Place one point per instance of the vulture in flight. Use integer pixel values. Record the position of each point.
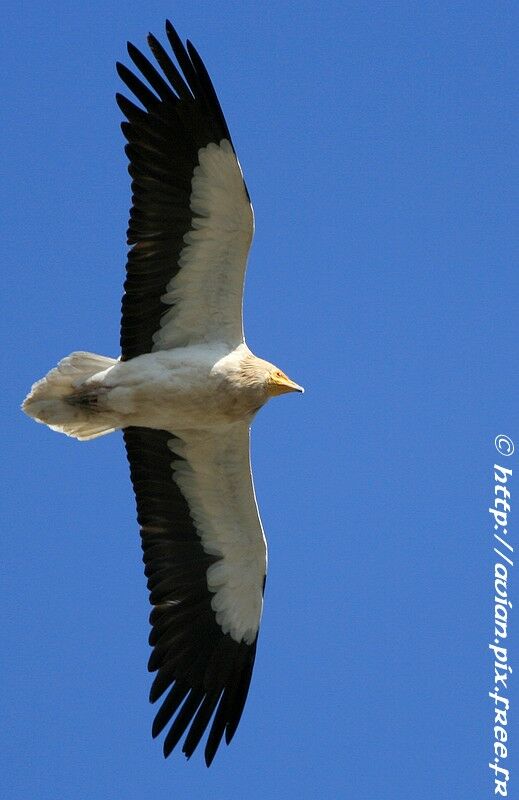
(184, 392)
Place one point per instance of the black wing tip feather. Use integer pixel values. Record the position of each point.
(171, 31)
(193, 710)
(191, 82)
(145, 67)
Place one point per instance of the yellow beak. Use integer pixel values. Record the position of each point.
(279, 383)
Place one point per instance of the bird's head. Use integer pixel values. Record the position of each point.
(279, 383)
(266, 378)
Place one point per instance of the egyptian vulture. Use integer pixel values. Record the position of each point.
(184, 393)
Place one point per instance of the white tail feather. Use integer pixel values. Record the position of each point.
(51, 400)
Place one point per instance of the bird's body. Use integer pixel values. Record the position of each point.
(197, 387)
(201, 386)
(193, 387)
(184, 392)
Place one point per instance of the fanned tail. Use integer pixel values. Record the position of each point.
(63, 401)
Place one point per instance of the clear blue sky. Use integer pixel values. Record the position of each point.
(378, 144)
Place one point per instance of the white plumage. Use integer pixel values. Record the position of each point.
(207, 292)
(214, 476)
(184, 392)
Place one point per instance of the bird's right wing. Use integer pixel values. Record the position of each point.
(191, 222)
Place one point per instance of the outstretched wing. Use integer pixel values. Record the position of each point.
(191, 221)
(205, 557)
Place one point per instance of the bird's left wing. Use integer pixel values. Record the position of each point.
(191, 222)
(205, 557)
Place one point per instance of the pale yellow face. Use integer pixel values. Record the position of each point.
(279, 383)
